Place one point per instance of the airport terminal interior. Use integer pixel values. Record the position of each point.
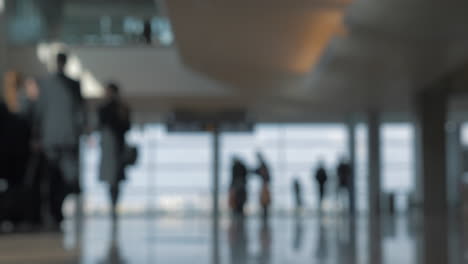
(233, 131)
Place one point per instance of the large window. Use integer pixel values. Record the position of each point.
(173, 174)
(398, 161)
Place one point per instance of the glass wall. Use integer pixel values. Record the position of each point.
(173, 173)
(84, 22)
(291, 151)
(398, 162)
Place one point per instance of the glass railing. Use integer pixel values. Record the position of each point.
(92, 23)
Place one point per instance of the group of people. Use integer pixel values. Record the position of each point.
(41, 124)
(238, 191)
(238, 188)
(345, 188)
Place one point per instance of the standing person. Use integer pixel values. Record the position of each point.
(147, 32)
(61, 120)
(265, 194)
(297, 194)
(344, 180)
(238, 188)
(114, 122)
(16, 154)
(321, 178)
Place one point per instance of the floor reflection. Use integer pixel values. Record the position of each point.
(327, 239)
(113, 254)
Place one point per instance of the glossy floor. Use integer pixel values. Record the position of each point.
(330, 239)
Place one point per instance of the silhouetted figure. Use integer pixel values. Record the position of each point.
(147, 32)
(61, 119)
(265, 193)
(21, 201)
(16, 127)
(321, 178)
(344, 173)
(238, 187)
(114, 122)
(297, 194)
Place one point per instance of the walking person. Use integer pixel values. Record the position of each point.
(61, 119)
(114, 122)
(321, 178)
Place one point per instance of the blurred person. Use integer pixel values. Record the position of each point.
(61, 118)
(321, 178)
(297, 191)
(238, 187)
(265, 193)
(147, 32)
(344, 173)
(114, 122)
(21, 202)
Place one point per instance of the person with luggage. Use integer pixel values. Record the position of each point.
(114, 122)
(265, 193)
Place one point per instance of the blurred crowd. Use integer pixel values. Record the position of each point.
(42, 121)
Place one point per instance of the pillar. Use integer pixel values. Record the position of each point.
(431, 119)
(431, 116)
(374, 189)
(352, 161)
(374, 163)
(215, 190)
(215, 172)
(454, 163)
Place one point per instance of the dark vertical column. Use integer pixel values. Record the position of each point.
(352, 161)
(454, 163)
(216, 161)
(374, 190)
(431, 113)
(215, 194)
(374, 163)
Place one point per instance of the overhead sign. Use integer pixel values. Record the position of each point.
(224, 121)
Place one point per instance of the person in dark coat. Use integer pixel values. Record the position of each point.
(61, 119)
(114, 122)
(147, 32)
(20, 173)
(321, 178)
(238, 187)
(344, 173)
(265, 193)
